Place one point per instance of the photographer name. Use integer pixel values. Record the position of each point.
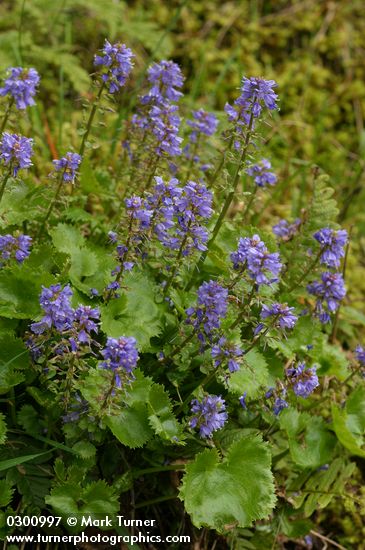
(120, 521)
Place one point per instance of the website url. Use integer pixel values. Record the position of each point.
(112, 540)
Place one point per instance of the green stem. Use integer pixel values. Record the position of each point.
(90, 121)
(3, 183)
(6, 116)
(201, 384)
(241, 315)
(191, 163)
(177, 262)
(221, 163)
(53, 202)
(307, 271)
(155, 501)
(249, 204)
(178, 348)
(154, 165)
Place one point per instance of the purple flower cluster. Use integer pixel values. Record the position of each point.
(84, 323)
(117, 61)
(120, 356)
(209, 415)
(162, 118)
(226, 353)
(281, 315)
(279, 402)
(166, 79)
(14, 247)
(165, 125)
(138, 210)
(68, 165)
(211, 308)
(256, 93)
(303, 379)
(279, 405)
(192, 208)
(330, 290)
(21, 84)
(75, 325)
(262, 266)
(56, 304)
(285, 230)
(16, 151)
(175, 214)
(332, 243)
(202, 123)
(261, 173)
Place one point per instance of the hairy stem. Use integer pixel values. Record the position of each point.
(52, 203)
(6, 115)
(3, 183)
(91, 118)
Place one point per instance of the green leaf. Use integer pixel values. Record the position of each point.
(2, 429)
(120, 317)
(29, 419)
(13, 351)
(12, 462)
(311, 444)
(341, 427)
(6, 493)
(85, 449)
(355, 408)
(84, 262)
(19, 292)
(161, 418)
(239, 489)
(66, 238)
(333, 361)
(95, 500)
(131, 426)
(252, 375)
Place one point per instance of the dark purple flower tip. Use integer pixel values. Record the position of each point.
(242, 400)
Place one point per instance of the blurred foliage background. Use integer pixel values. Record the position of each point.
(314, 49)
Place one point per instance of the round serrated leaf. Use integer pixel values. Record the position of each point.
(239, 489)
